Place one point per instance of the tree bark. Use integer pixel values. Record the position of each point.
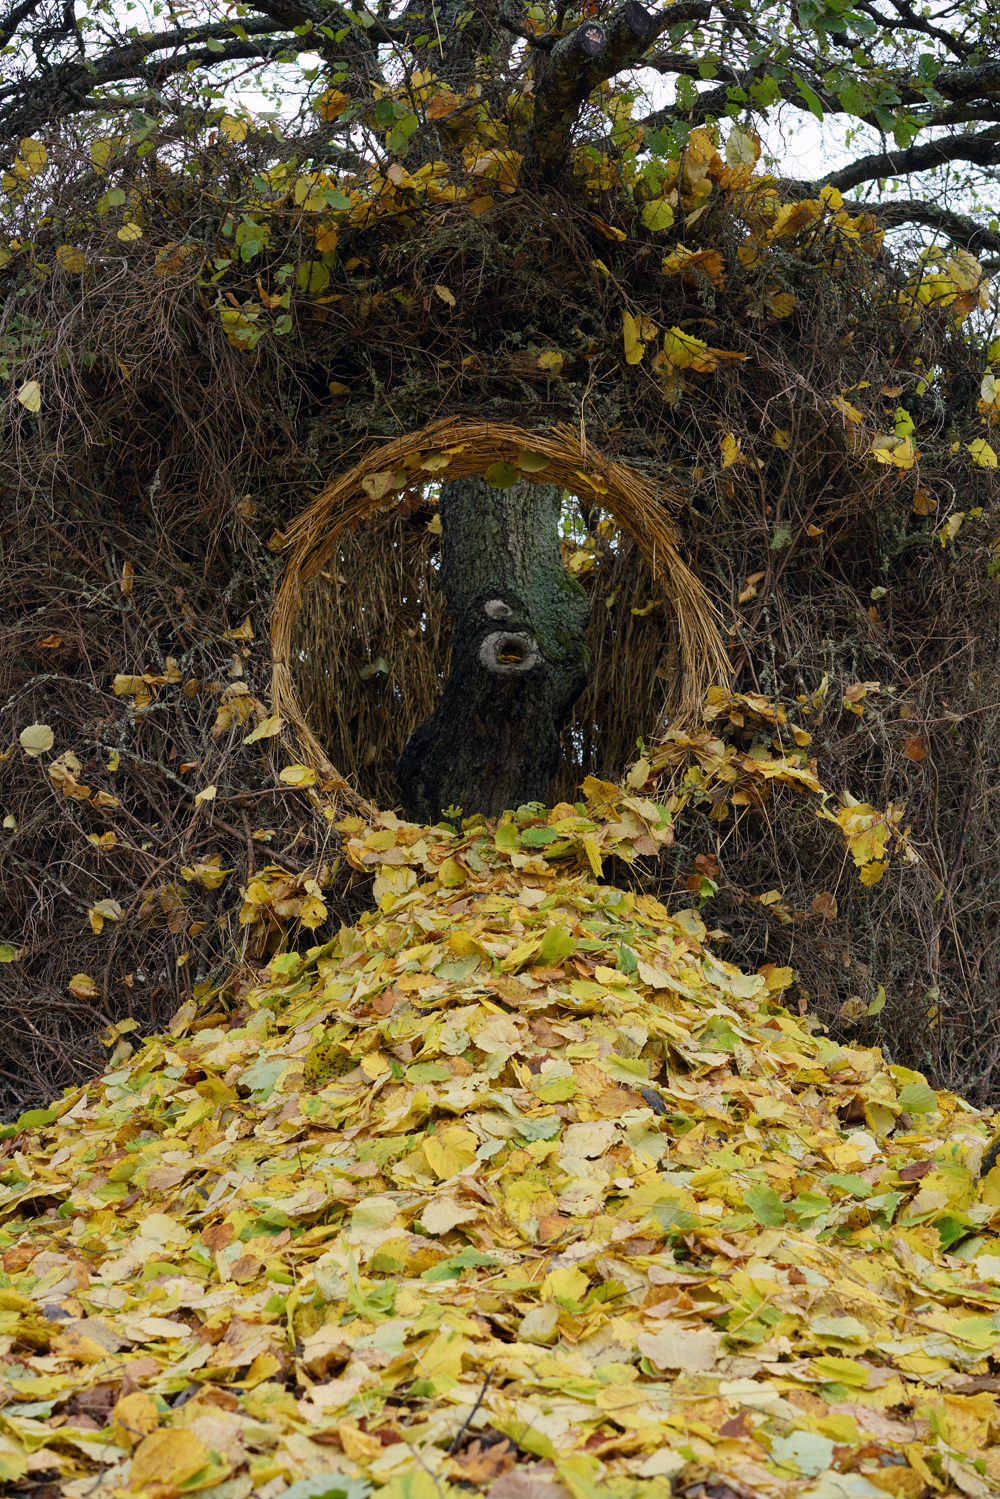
(518, 655)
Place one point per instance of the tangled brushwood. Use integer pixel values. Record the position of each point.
(205, 328)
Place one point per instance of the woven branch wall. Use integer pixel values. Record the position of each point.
(455, 449)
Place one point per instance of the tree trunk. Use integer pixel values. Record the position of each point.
(518, 655)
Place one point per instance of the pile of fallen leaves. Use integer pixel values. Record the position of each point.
(517, 1186)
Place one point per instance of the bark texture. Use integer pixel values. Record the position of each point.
(518, 655)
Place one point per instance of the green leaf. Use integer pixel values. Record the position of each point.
(427, 1072)
(812, 99)
(313, 276)
(854, 1185)
(918, 1098)
(501, 476)
(214, 45)
(878, 1003)
(765, 92)
(399, 136)
(856, 97)
(657, 215)
(557, 944)
(532, 463)
(329, 1486)
(766, 1206)
(538, 837)
(35, 1118)
(8, 954)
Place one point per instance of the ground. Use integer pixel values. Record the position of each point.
(516, 1184)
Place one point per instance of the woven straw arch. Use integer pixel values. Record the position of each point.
(455, 449)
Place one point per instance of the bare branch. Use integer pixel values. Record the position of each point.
(12, 20)
(570, 77)
(959, 228)
(983, 149)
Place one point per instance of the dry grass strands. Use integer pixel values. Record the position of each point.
(453, 449)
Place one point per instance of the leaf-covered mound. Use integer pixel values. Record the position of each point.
(514, 1186)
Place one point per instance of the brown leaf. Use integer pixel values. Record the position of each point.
(915, 1171)
(825, 906)
(915, 748)
(19, 1257)
(217, 1236)
(384, 1003)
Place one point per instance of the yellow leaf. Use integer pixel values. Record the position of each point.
(130, 233)
(570, 1283)
(445, 295)
(167, 1459)
(450, 1151)
(890, 451)
(102, 911)
(657, 215)
(551, 360)
(951, 527)
(693, 353)
(70, 258)
(730, 448)
(30, 395)
(846, 409)
(742, 148)
(208, 795)
(101, 152)
(435, 462)
(206, 872)
(134, 1417)
(297, 775)
(82, 986)
(982, 454)
(233, 129)
(378, 485)
(781, 303)
(241, 632)
(331, 105)
(266, 730)
(36, 739)
(34, 155)
(634, 347)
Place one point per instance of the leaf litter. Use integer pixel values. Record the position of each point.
(515, 1187)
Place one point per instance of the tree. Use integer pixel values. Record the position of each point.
(477, 211)
(518, 658)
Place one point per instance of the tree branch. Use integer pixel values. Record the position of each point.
(910, 21)
(570, 77)
(12, 20)
(983, 149)
(959, 228)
